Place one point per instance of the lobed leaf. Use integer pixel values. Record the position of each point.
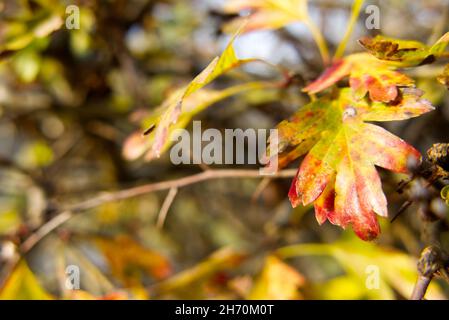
(338, 174)
(366, 75)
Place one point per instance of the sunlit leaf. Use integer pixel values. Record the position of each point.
(23, 285)
(277, 281)
(366, 75)
(265, 14)
(84, 295)
(338, 174)
(137, 145)
(221, 259)
(177, 111)
(405, 53)
(381, 271)
(20, 34)
(444, 77)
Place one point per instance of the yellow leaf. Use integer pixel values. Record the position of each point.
(277, 281)
(23, 285)
(266, 14)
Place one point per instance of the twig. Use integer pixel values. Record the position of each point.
(431, 261)
(165, 207)
(419, 291)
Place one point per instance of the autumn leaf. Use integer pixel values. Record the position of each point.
(137, 144)
(84, 295)
(386, 270)
(265, 14)
(22, 284)
(183, 104)
(222, 259)
(129, 261)
(444, 77)
(366, 75)
(277, 281)
(338, 174)
(21, 33)
(404, 53)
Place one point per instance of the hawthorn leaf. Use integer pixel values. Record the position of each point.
(338, 174)
(173, 113)
(265, 14)
(366, 75)
(137, 144)
(404, 53)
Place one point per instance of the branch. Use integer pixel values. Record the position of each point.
(107, 197)
(432, 260)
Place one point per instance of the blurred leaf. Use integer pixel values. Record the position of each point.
(397, 271)
(444, 77)
(36, 154)
(445, 194)
(129, 261)
(277, 281)
(23, 285)
(27, 65)
(265, 14)
(9, 221)
(341, 288)
(84, 295)
(222, 259)
(20, 34)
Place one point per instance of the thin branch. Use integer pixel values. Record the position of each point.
(165, 207)
(107, 197)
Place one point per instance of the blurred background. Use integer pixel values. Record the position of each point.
(69, 99)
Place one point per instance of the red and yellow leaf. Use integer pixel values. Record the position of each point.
(338, 174)
(366, 75)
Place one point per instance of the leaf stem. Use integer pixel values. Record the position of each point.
(319, 40)
(356, 7)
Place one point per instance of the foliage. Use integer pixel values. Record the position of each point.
(86, 116)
